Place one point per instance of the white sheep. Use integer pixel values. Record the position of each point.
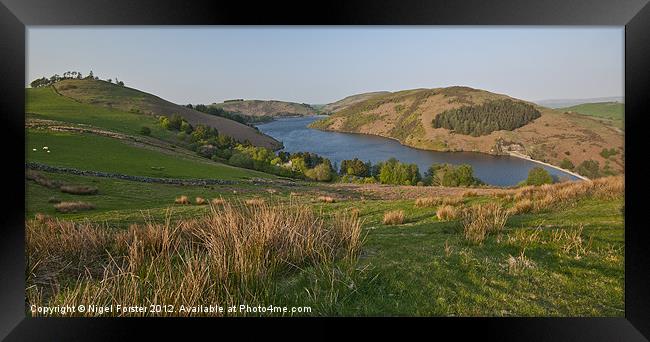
(45, 147)
(48, 151)
(34, 149)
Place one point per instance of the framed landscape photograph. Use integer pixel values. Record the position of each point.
(468, 165)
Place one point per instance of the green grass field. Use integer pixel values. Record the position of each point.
(99, 153)
(613, 111)
(405, 269)
(45, 103)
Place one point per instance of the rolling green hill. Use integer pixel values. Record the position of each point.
(123, 99)
(606, 110)
(349, 101)
(100, 153)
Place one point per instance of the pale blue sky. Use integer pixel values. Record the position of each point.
(320, 64)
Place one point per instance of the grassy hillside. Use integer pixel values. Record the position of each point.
(269, 108)
(99, 153)
(613, 111)
(349, 101)
(408, 115)
(103, 94)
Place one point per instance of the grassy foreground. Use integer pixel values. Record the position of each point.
(560, 253)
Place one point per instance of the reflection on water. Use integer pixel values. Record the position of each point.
(296, 136)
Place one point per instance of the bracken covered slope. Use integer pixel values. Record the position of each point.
(407, 116)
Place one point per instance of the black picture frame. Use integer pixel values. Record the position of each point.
(15, 15)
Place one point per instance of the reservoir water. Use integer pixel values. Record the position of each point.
(491, 169)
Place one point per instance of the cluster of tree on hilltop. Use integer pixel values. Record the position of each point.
(486, 118)
(218, 111)
(68, 75)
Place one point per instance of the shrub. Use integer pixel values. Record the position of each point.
(538, 176)
(589, 168)
(78, 189)
(567, 164)
(394, 172)
(241, 160)
(144, 130)
(450, 175)
(394, 217)
(447, 213)
(73, 207)
(182, 200)
(321, 172)
(605, 153)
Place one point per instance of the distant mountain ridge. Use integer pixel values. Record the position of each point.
(349, 101)
(561, 103)
(270, 108)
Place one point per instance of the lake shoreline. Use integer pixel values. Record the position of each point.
(495, 169)
(522, 156)
(511, 154)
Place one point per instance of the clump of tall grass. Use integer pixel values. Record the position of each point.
(232, 255)
(469, 193)
(73, 207)
(79, 189)
(254, 201)
(427, 202)
(573, 242)
(479, 221)
(326, 199)
(519, 263)
(456, 200)
(218, 201)
(447, 213)
(182, 200)
(540, 198)
(200, 201)
(394, 217)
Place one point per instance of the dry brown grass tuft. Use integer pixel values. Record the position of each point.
(394, 217)
(73, 207)
(453, 200)
(272, 191)
(469, 193)
(255, 201)
(78, 189)
(519, 263)
(182, 200)
(200, 201)
(541, 198)
(481, 220)
(218, 201)
(521, 207)
(242, 249)
(427, 202)
(326, 199)
(40, 179)
(447, 213)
